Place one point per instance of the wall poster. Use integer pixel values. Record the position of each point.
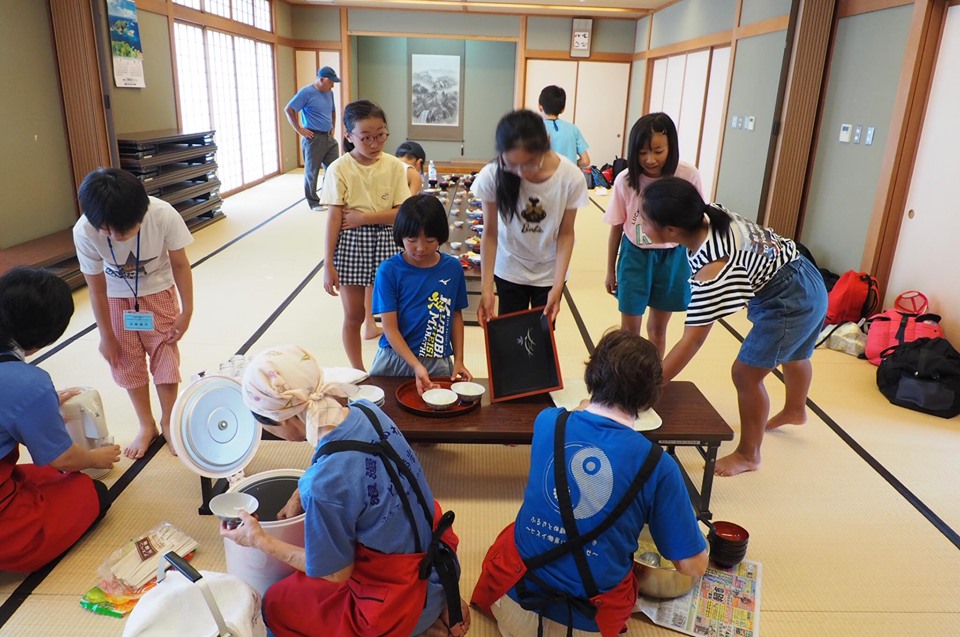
(125, 44)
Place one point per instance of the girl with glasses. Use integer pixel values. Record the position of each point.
(530, 196)
(363, 189)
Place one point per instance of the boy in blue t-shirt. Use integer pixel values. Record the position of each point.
(419, 295)
(565, 138)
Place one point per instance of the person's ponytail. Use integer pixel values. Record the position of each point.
(719, 218)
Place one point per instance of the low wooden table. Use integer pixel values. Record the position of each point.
(689, 420)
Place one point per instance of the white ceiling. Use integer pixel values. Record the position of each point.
(560, 8)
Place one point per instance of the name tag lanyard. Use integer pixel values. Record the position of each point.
(136, 276)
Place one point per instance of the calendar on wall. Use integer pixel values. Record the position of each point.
(580, 37)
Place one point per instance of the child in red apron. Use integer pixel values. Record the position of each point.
(44, 507)
(565, 566)
(379, 558)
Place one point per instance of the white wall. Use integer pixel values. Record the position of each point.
(928, 241)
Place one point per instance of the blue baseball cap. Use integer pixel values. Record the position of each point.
(328, 73)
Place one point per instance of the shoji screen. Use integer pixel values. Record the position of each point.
(692, 89)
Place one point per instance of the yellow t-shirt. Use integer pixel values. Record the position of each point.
(375, 188)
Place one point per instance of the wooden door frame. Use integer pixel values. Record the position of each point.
(906, 126)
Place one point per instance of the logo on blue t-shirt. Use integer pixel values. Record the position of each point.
(436, 336)
(590, 475)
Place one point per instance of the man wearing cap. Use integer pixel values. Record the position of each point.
(318, 117)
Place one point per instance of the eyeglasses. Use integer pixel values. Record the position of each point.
(518, 168)
(263, 420)
(369, 139)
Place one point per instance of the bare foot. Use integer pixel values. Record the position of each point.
(138, 447)
(787, 418)
(735, 463)
(165, 430)
(371, 331)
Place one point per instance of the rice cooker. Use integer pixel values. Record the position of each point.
(216, 436)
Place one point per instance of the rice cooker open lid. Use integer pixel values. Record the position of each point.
(212, 431)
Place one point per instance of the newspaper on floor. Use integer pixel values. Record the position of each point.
(724, 603)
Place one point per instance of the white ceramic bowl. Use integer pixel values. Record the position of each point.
(226, 505)
(440, 399)
(455, 245)
(468, 392)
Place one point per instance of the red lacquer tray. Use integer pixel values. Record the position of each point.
(410, 400)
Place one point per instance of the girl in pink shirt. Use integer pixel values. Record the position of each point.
(640, 273)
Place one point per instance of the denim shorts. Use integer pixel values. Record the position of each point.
(655, 277)
(787, 316)
(388, 363)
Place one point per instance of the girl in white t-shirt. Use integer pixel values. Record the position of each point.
(363, 190)
(640, 273)
(530, 197)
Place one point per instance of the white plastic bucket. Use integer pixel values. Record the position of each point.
(272, 489)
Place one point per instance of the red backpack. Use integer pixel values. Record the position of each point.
(852, 298)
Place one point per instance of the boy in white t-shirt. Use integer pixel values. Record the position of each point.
(131, 249)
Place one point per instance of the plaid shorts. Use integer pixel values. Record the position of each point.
(137, 347)
(360, 251)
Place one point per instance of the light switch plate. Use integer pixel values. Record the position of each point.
(750, 122)
(856, 134)
(869, 140)
(845, 130)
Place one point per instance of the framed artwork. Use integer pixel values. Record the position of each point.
(580, 37)
(436, 97)
(521, 355)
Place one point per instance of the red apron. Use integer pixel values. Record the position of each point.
(503, 568)
(384, 596)
(42, 512)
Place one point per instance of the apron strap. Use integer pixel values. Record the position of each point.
(337, 446)
(566, 505)
(400, 464)
(8, 358)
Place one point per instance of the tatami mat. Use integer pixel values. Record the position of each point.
(842, 552)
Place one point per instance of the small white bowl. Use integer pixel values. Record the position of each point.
(455, 245)
(440, 399)
(458, 224)
(226, 506)
(468, 392)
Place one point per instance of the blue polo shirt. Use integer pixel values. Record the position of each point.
(315, 108)
(30, 413)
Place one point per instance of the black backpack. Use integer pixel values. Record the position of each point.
(923, 375)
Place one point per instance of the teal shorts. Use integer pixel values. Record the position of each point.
(656, 277)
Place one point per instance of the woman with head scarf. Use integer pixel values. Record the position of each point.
(379, 558)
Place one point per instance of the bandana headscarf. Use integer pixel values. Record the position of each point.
(286, 381)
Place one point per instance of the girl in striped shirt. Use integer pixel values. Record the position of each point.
(735, 263)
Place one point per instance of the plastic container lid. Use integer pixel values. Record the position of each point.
(212, 431)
